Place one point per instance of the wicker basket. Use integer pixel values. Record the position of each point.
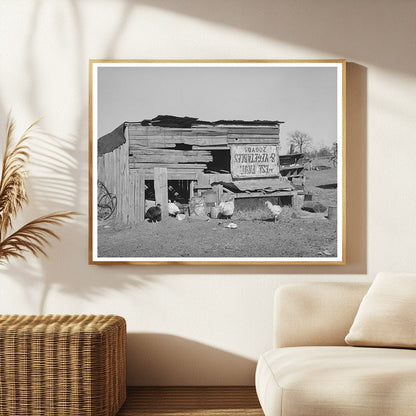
(72, 365)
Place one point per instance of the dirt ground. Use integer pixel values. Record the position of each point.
(256, 235)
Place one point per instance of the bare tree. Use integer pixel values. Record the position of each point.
(300, 141)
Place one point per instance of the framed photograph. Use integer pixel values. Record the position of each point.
(230, 162)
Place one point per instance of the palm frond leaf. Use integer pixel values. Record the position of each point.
(12, 182)
(33, 237)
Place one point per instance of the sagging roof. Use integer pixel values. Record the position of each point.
(188, 122)
(116, 138)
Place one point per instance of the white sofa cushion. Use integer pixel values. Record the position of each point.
(315, 313)
(387, 314)
(341, 381)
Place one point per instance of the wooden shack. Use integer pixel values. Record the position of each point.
(188, 156)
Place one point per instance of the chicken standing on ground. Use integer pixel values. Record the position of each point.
(173, 209)
(154, 214)
(274, 209)
(226, 208)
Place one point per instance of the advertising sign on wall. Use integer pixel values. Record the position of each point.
(254, 161)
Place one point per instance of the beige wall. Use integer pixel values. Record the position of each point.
(204, 325)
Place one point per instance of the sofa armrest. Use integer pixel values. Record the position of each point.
(315, 313)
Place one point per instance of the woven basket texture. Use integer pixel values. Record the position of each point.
(56, 365)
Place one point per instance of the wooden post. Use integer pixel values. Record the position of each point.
(191, 189)
(122, 172)
(161, 190)
(141, 187)
(297, 201)
(136, 192)
(117, 187)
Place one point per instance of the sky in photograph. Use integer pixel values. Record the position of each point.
(304, 98)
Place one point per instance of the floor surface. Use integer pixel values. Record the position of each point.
(187, 401)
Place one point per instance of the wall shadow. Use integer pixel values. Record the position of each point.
(169, 360)
(339, 28)
(53, 186)
(64, 185)
(58, 180)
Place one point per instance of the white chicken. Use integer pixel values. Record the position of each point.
(226, 208)
(173, 209)
(274, 209)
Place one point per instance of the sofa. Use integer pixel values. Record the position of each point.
(312, 371)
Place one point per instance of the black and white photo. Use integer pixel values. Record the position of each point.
(217, 162)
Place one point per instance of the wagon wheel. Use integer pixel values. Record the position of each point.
(106, 202)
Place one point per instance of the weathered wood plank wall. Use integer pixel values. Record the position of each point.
(137, 197)
(152, 146)
(113, 170)
(150, 153)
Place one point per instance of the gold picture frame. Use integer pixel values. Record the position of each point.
(161, 132)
